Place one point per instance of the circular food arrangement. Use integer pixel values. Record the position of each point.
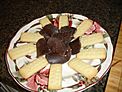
(59, 53)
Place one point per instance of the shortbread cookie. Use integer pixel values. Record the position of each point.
(63, 21)
(22, 50)
(28, 70)
(45, 21)
(30, 37)
(85, 69)
(92, 53)
(83, 27)
(91, 39)
(55, 77)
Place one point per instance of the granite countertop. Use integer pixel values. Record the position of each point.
(15, 14)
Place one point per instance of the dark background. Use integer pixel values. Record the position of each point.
(16, 13)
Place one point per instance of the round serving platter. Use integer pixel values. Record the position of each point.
(71, 80)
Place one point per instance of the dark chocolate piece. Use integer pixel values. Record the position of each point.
(75, 46)
(65, 34)
(65, 37)
(67, 29)
(55, 59)
(48, 30)
(56, 46)
(41, 46)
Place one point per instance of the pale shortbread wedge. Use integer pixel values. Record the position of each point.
(63, 21)
(83, 27)
(30, 37)
(28, 70)
(45, 21)
(20, 51)
(55, 77)
(85, 69)
(91, 39)
(92, 53)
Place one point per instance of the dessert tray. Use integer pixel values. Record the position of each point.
(59, 53)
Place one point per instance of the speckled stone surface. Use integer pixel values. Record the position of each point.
(15, 14)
